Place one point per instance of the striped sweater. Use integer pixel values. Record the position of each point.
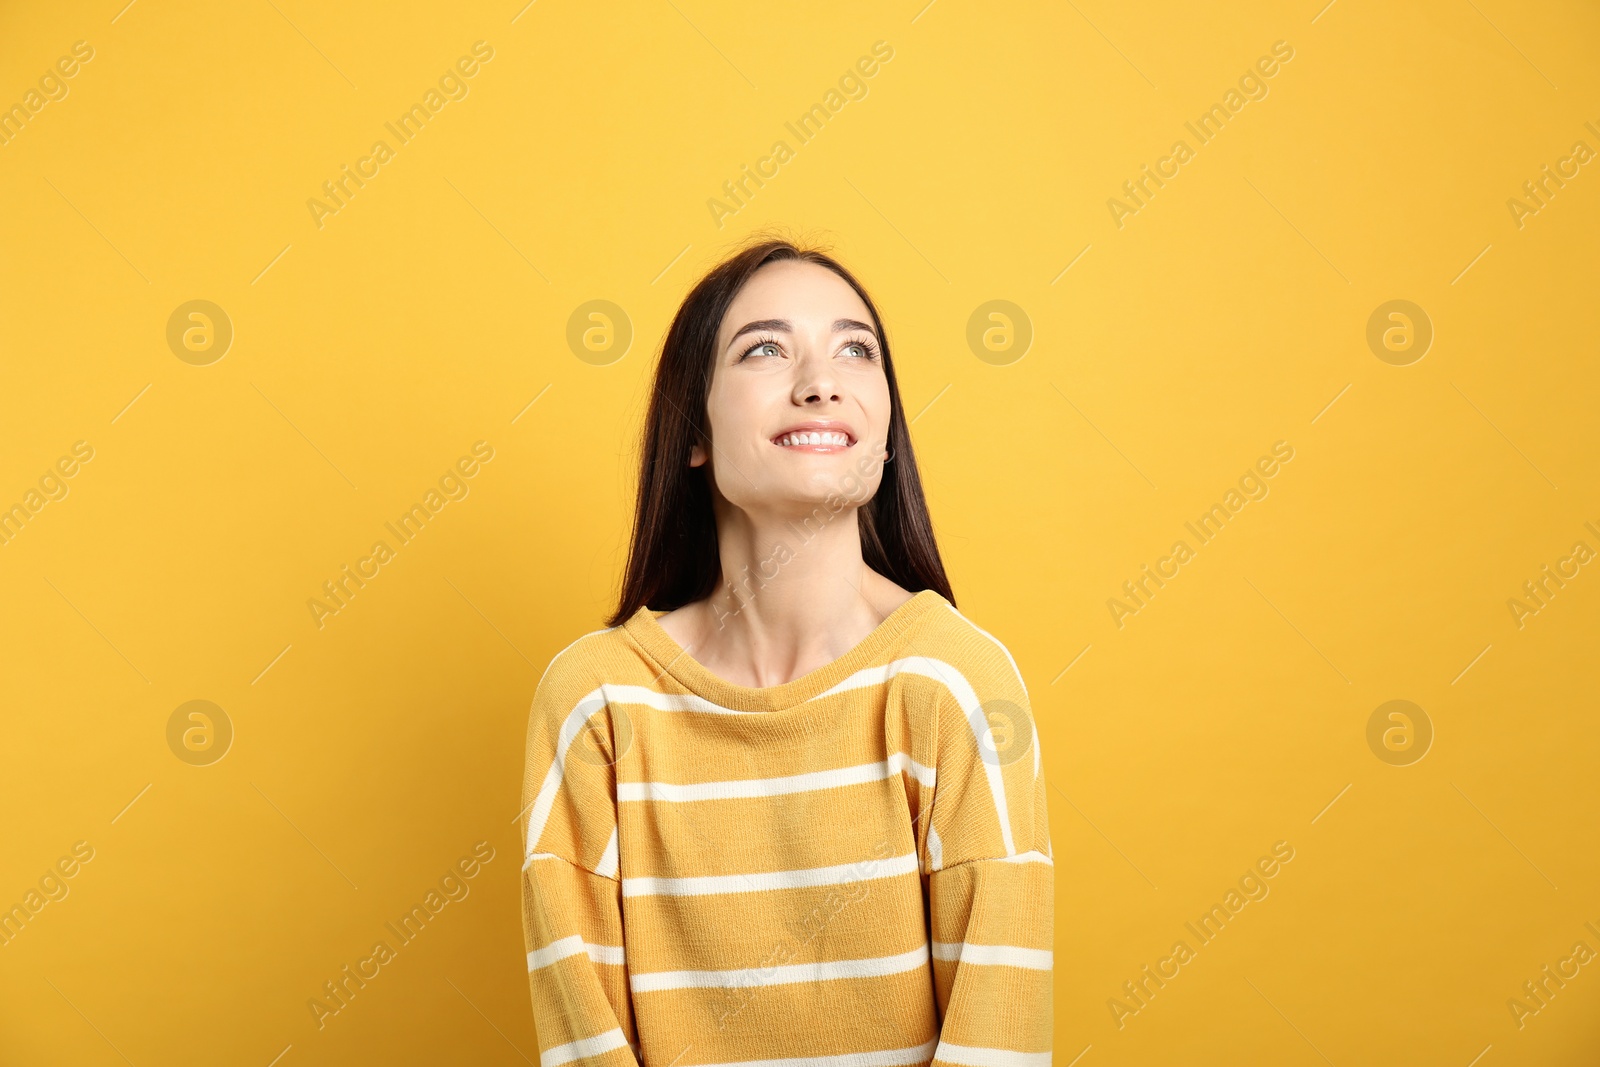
(851, 869)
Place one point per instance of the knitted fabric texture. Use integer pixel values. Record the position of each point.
(852, 869)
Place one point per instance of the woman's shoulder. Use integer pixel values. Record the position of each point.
(585, 662)
(941, 620)
(981, 657)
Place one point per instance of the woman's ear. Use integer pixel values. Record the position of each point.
(697, 455)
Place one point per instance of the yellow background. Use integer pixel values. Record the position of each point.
(369, 354)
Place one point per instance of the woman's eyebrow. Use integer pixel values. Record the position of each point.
(763, 325)
(785, 326)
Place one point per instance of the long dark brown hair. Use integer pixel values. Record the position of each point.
(673, 558)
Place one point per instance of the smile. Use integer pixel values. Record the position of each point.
(814, 441)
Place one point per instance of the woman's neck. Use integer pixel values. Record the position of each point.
(795, 595)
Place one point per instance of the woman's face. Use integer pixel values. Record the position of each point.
(796, 353)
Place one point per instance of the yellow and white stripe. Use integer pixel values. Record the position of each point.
(741, 871)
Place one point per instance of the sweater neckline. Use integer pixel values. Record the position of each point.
(671, 657)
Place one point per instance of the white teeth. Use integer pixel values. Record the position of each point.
(814, 439)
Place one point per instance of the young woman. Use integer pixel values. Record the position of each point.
(786, 809)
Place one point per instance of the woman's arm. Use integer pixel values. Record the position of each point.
(572, 919)
(571, 890)
(991, 875)
(992, 934)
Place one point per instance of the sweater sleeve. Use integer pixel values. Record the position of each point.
(571, 889)
(991, 877)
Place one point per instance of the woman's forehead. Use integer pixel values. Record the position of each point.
(797, 291)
